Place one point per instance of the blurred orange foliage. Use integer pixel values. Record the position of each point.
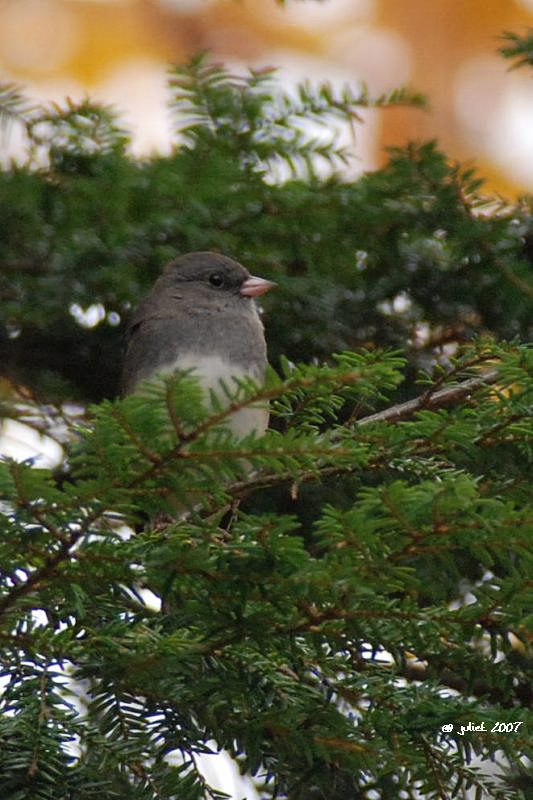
(444, 48)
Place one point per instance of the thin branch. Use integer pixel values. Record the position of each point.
(418, 671)
(523, 285)
(149, 454)
(262, 395)
(49, 567)
(451, 395)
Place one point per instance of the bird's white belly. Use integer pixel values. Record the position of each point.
(211, 370)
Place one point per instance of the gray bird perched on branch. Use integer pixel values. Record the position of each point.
(201, 314)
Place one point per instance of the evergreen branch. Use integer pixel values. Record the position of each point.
(52, 562)
(316, 618)
(433, 764)
(430, 400)
(426, 667)
(262, 124)
(518, 47)
(41, 720)
(490, 437)
(179, 430)
(240, 489)
(278, 627)
(269, 393)
(23, 588)
(149, 454)
(181, 453)
(30, 505)
(510, 274)
(13, 105)
(76, 133)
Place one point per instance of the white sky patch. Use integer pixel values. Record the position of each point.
(20, 442)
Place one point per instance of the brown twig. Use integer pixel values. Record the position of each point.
(431, 400)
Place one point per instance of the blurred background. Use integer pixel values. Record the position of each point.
(117, 51)
(429, 284)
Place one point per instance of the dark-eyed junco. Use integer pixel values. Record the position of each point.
(201, 314)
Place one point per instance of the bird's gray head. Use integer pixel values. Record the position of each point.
(200, 312)
(209, 275)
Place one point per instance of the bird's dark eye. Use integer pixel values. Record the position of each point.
(216, 279)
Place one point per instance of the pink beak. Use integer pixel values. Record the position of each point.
(253, 286)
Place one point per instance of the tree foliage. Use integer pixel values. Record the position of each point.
(371, 596)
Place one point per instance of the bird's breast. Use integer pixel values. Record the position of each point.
(211, 370)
